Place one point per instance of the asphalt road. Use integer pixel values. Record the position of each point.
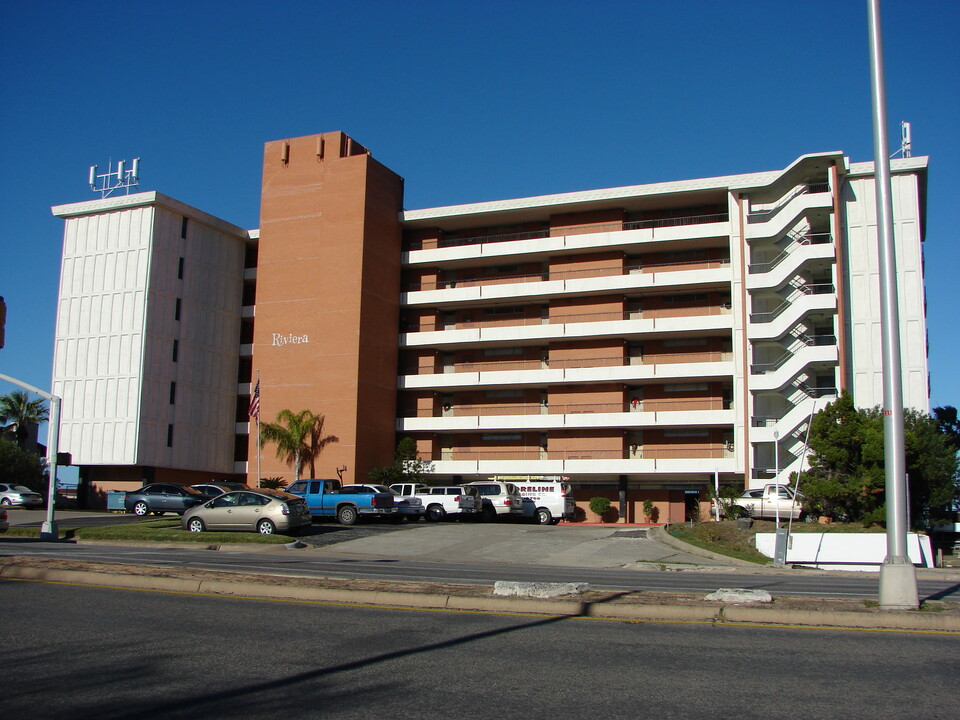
(74, 653)
(325, 563)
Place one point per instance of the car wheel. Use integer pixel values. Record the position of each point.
(141, 509)
(435, 513)
(196, 525)
(489, 514)
(265, 527)
(544, 517)
(6, 501)
(346, 515)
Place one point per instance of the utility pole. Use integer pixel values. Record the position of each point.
(48, 530)
(898, 577)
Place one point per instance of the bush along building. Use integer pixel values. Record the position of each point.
(645, 342)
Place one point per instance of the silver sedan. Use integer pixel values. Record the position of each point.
(262, 511)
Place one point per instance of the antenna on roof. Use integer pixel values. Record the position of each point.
(122, 178)
(904, 150)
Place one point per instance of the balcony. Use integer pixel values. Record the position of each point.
(710, 365)
(678, 462)
(617, 323)
(571, 230)
(704, 272)
(676, 412)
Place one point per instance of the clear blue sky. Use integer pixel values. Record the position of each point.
(467, 101)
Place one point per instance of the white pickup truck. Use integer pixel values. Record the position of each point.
(768, 502)
(442, 500)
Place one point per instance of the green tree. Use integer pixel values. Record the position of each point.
(948, 423)
(299, 438)
(19, 411)
(22, 467)
(407, 466)
(846, 477)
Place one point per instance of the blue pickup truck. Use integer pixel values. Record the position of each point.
(327, 498)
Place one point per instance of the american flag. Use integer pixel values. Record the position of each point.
(255, 402)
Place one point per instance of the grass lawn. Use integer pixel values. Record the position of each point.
(160, 530)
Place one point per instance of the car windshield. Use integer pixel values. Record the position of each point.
(382, 489)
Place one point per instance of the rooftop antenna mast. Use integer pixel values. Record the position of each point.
(123, 178)
(905, 149)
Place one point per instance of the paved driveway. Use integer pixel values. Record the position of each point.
(563, 546)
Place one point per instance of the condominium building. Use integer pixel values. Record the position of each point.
(644, 342)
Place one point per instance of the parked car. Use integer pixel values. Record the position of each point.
(442, 500)
(215, 489)
(499, 498)
(159, 498)
(262, 511)
(553, 496)
(768, 502)
(12, 495)
(326, 498)
(4, 522)
(410, 506)
(407, 507)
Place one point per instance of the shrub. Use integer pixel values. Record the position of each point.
(600, 505)
(273, 483)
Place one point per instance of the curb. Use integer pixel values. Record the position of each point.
(721, 614)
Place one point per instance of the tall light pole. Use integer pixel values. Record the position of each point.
(898, 578)
(48, 529)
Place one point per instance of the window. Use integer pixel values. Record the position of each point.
(176, 311)
(183, 228)
(688, 298)
(504, 310)
(173, 393)
(180, 270)
(169, 435)
(176, 350)
(685, 387)
(225, 501)
(489, 352)
(684, 342)
(686, 433)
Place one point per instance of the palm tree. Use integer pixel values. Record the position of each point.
(299, 438)
(21, 412)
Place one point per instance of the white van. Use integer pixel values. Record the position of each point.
(552, 495)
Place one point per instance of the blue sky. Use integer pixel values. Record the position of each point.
(468, 102)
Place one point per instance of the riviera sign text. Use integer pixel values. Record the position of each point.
(279, 340)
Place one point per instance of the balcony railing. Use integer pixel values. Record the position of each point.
(570, 363)
(808, 239)
(557, 408)
(530, 277)
(437, 324)
(764, 212)
(704, 452)
(771, 315)
(815, 341)
(576, 230)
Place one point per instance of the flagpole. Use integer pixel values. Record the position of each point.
(258, 431)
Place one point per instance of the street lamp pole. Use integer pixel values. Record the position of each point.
(898, 578)
(48, 530)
